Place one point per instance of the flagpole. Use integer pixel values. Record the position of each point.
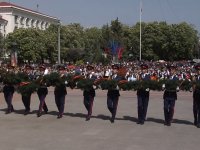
(59, 24)
(140, 30)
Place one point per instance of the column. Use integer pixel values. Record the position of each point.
(40, 25)
(34, 23)
(30, 23)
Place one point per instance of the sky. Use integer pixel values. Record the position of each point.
(90, 13)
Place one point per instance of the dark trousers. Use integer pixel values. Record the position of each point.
(26, 99)
(143, 102)
(196, 111)
(169, 104)
(112, 103)
(60, 103)
(88, 102)
(8, 98)
(42, 103)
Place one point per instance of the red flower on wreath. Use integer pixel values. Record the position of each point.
(98, 81)
(122, 82)
(77, 77)
(24, 83)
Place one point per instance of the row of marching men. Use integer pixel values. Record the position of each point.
(60, 91)
(169, 97)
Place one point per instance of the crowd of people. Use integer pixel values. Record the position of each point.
(129, 71)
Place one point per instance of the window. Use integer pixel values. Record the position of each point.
(16, 19)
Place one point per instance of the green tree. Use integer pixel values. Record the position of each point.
(93, 38)
(116, 30)
(1, 44)
(72, 36)
(51, 44)
(30, 44)
(163, 41)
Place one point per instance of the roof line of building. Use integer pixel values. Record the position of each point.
(10, 5)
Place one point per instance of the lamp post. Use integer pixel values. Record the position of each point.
(13, 54)
(59, 62)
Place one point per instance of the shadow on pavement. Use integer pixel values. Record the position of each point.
(133, 119)
(21, 111)
(155, 120)
(178, 121)
(80, 115)
(4, 109)
(103, 117)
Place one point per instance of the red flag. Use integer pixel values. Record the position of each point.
(120, 52)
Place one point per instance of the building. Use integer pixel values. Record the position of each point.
(3, 24)
(14, 17)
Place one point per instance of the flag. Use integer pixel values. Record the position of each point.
(120, 52)
(114, 48)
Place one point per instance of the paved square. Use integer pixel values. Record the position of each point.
(72, 132)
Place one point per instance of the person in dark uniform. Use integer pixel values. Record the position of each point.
(8, 91)
(196, 97)
(113, 95)
(26, 96)
(88, 95)
(143, 95)
(60, 92)
(170, 95)
(26, 99)
(42, 93)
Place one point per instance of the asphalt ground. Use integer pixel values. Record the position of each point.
(72, 132)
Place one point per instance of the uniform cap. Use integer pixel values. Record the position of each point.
(172, 66)
(197, 67)
(10, 67)
(42, 67)
(144, 66)
(115, 66)
(89, 67)
(61, 68)
(28, 67)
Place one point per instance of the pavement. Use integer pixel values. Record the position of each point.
(72, 132)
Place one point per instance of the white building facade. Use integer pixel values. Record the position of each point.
(3, 24)
(19, 17)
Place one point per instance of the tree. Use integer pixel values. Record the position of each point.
(163, 41)
(72, 36)
(112, 36)
(159, 41)
(93, 38)
(74, 54)
(1, 44)
(30, 44)
(51, 38)
(116, 30)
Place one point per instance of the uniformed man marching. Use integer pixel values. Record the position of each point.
(60, 92)
(42, 92)
(8, 91)
(89, 94)
(143, 95)
(113, 95)
(170, 95)
(196, 97)
(26, 97)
